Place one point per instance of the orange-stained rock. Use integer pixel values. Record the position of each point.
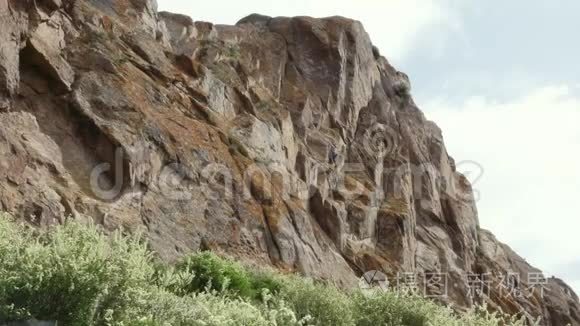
(282, 141)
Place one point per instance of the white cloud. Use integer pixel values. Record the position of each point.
(529, 148)
(394, 25)
(575, 286)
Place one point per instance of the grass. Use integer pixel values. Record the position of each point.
(75, 275)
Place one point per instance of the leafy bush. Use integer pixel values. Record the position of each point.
(72, 273)
(165, 308)
(226, 276)
(78, 276)
(322, 304)
(385, 308)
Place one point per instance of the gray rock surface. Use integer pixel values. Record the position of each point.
(287, 142)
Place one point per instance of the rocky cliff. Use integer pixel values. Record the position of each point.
(288, 142)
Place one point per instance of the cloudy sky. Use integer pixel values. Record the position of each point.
(502, 79)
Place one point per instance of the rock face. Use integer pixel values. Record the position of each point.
(281, 141)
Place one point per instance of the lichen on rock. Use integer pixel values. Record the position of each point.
(287, 142)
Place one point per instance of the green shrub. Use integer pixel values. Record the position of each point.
(323, 304)
(386, 309)
(76, 275)
(264, 280)
(391, 309)
(218, 274)
(165, 308)
(72, 274)
(214, 273)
